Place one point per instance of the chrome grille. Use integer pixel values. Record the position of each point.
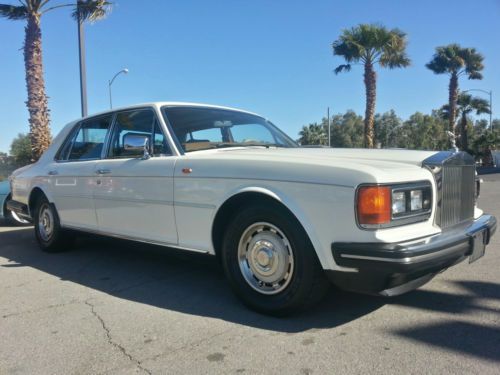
(457, 199)
(454, 174)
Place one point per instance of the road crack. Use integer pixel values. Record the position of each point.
(114, 343)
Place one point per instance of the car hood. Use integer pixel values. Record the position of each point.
(321, 165)
(389, 158)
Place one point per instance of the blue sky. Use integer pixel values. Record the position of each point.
(272, 57)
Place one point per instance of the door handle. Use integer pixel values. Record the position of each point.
(103, 171)
(53, 172)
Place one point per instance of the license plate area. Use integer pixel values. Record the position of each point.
(478, 244)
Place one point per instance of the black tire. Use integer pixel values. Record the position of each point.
(307, 283)
(56, 239)
(11, 218)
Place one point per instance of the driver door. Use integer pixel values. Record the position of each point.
(134, 195)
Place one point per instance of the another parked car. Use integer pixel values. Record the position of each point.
(9, 216)
(282, 219)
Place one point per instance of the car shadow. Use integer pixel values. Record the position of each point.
(195, 284)
(170, 279)
(481, 340)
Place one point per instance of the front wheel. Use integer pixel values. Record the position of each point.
(49, 234)
(270, 262)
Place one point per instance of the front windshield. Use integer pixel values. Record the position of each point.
(208, 128)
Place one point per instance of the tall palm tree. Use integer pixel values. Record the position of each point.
(370, 45)
(466, 104)
(456, 61)
(32, 11)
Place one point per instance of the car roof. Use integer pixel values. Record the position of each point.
(161, 104)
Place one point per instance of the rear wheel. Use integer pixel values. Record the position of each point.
(270, 262)
(49, 234)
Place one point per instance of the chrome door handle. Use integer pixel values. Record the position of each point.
(53, 172)
(103, 171)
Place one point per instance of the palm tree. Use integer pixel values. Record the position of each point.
(466, 104)
(456, 61)
(369, 45)
(32, 11)
(313, 134)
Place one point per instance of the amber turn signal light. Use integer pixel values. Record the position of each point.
(374, 205)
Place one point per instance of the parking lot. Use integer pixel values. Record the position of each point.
(114, 307)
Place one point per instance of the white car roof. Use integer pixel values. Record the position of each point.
(161, 104)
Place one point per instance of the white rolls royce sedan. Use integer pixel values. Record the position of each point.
(285, 221)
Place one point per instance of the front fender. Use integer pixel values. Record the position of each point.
(287, 201)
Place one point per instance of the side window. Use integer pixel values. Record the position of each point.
(88, 142)
(140, 122)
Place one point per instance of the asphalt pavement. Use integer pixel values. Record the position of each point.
(115, 307)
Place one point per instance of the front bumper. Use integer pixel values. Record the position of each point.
(395, 268)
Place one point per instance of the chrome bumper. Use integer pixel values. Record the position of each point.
(383, 266)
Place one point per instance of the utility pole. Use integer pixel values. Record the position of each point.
(491, 110)
(328, 116)
(83, 70)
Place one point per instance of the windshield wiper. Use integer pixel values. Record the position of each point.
(248, 144)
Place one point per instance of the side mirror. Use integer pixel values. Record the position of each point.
(136, 145)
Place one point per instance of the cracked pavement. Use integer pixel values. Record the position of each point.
(115, 307)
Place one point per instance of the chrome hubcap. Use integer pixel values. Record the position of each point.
(265, 258)
(45, 223)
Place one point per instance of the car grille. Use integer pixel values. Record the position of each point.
(454, 174)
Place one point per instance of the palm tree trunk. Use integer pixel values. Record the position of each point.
(37, 99)
(452, 103)
(370, 79)
(464, 141)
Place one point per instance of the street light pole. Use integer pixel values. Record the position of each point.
(110, 82)
(83, 70)
(490, 93)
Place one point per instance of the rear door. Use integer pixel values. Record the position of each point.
(72, 176)
(133, 195)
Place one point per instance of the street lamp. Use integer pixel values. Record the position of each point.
(124, 71)
(81, 60)
(490, 93)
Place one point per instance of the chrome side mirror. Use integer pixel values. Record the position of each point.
(136, 144)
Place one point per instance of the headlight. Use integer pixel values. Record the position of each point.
(399, 202)
(382, 206)
(417, 202)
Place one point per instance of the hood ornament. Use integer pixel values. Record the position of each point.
(453, 140)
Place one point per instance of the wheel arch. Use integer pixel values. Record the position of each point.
(35, 194)
(3, 210)
(247, 196)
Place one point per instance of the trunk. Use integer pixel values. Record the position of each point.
(37, 99)
(370, 79)
(464, 141)
(452, 101)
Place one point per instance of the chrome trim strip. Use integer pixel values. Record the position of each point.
(135, 239)
(260, 179)
(196, 205)
(410, 260)
(133, 200)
